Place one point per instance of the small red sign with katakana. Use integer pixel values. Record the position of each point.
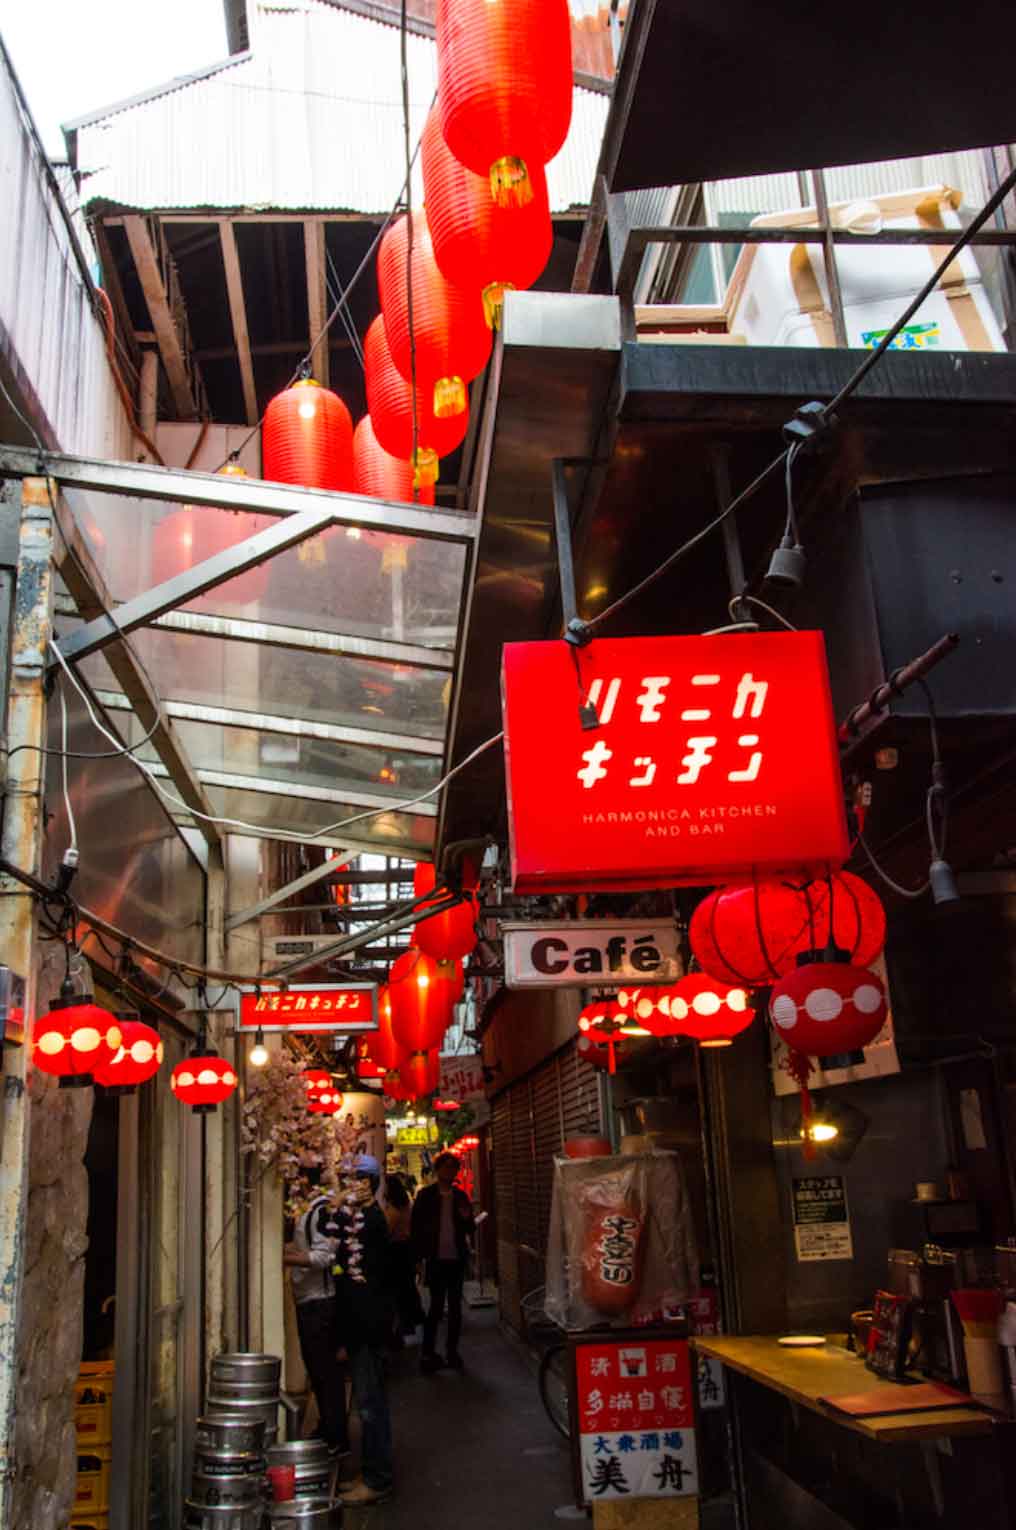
(352, 1008)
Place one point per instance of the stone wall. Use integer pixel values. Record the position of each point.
(49, 1335)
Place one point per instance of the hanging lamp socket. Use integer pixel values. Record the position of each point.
(943, 884)
(787, 566)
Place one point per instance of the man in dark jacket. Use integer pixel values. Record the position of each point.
(442, 1230)
(365, 1308)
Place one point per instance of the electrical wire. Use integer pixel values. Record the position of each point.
(753, 600)
(829, 410)
(71, 822)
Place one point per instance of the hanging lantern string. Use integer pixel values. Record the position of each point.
(404, 62)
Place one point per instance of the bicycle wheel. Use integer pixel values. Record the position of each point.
(555, 1372)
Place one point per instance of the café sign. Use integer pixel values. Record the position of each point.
(593, 953)
(670, 761)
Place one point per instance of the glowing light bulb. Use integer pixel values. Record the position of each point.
(307, 410)
(258, 1052)
(822, 1131)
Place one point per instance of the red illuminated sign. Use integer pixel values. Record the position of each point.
(351, 1007)
(636, 1418)
(714, 757)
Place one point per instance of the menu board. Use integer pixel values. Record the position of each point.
(634, 1406)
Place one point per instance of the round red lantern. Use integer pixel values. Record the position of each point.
(314, 1080)
(476, 243)
(203, 1080)
(379, 474)
(452, 340)
(702, 1007)
(858, 917)
(825, 1009)
(422, 1073)
(387, 1052)
(421, 993)
(601, 1024)
(449, 936)
(75, 1039)
(504, 76)
(390, 405)
(325, 1102)
(601, 1054)
(639, 1007)
(138, 1059)
(307, 438)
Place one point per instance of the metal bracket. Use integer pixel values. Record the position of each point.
(576, 631)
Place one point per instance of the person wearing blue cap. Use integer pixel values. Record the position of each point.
(365, 1309)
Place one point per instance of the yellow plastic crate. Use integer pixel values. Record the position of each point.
(88, 1521)
(92, 1493)
(93, 1405)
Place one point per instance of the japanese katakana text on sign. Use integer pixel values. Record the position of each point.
(713, 756)
(636, 1419)
(352, 1008)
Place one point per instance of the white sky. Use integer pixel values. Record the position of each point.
(75, 56)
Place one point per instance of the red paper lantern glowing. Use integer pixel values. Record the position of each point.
(700, 1006)
(452, 340)
(601, 1024)
(366, 1066)
(385, 1050)
(138, 1058)
(74, 1040)
(422, 1073)
(825, 1009)
(202, 1081)
(390, 405)
(752, 933)
(600, 1054)
(394, 1086)
(421, 994)
(325, 1102)
(307, 439)
(504, 88)
(379, 474)
(476, 243)
(316, 1079)
(449, 936)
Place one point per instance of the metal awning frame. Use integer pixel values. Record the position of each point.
(299, 514)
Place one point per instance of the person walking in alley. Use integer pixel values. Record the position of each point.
(409, 1309)
(309, 1259)
(442, 1230)
(365, 1308)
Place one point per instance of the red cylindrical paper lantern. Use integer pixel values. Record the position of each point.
(449, 936)
(75, 1039)
(394, 1086)
(476, 243)
(504, 76)
(195, 533)
(700, 1006)
(390, 405)
(824, 1009)
(138, 1059)
(421, 994)
(379, 474)
(366, 1065)
(452, 340)
(307, 439)
(203, 1080)
(385, 1050)
(858, 922)
(601, 1054)
(422, 1073)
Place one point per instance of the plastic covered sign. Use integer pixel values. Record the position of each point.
(648, 762)
(621, 1247)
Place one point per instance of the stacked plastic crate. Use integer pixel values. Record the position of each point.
(93, 1418)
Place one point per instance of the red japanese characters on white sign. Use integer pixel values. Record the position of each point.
(636, 1419)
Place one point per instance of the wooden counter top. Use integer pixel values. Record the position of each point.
(805, 1375)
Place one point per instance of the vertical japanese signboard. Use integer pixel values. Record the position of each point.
(635, 1412)
(710, 758)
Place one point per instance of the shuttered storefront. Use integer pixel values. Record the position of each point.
(531, 1119)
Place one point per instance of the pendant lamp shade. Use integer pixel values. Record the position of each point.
(453, 341)
(307, 439)
(825, 1009)
(422, 1073)
(477, 244)
(74, 1040)
(379, 474)
(203, 1080)
(138, 1058)
(504, 75)
(385, 1051)
(448, 936)
(390, 405)
(421, 992)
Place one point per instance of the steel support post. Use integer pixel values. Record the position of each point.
(215, 1132)
(21, 844)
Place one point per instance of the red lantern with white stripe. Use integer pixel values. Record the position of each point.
(700, 1006)
(828, 1008)
(325, 1102)
(203, 1080)
(75, 1039)
(138, 1059)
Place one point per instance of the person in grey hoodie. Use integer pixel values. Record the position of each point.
(309, 1259)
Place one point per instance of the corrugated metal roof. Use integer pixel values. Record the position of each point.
(311, 120)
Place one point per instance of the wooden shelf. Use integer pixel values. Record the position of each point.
(806, 1375)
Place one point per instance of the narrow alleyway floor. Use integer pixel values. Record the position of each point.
(473, 1451)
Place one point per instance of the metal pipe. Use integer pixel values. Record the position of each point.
(21, 843)
(849, 730)
(563, 542)
(829, 258)
(400, 921)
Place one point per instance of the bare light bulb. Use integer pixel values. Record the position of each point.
(258, 1052)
